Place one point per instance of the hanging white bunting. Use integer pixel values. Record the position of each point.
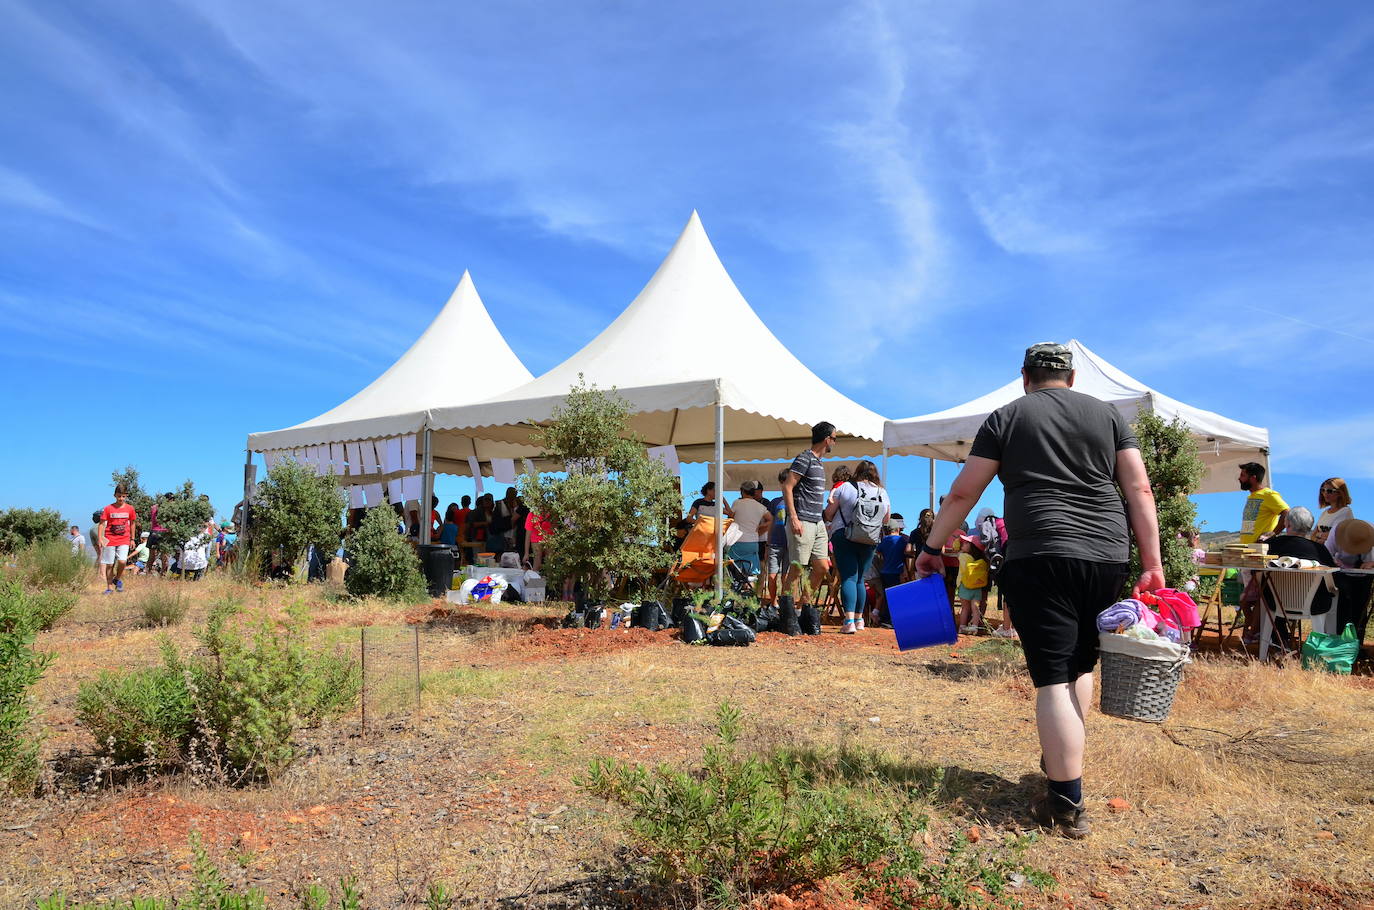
(370, 465)
(374, 494)
(503, 470)
(336, 457)
(396, 486)
(407, 453)
(528, 466)
(392, 461)
(355, 498)
(355, 458)
(271, 459)
(414, 486)
(476, 472)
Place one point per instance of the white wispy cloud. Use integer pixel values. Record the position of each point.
(18, 191)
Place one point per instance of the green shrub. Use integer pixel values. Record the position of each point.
(163, 607)
(47, 607)
(138, 717)
(381, 562)
(20, 528)
(20, 668)
(740, 823)
(52, 564)
(241, 699)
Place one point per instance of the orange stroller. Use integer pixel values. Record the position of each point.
(697, 559)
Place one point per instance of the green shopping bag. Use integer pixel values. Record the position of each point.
(1334, 653)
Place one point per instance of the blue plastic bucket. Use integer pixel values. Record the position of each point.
(921, 614)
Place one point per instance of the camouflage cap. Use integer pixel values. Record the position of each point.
(1049, 355)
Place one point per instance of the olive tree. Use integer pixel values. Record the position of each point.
(294, 508)
(610, 513)
(1175, 470)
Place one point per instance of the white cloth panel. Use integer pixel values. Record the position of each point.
(355, 498)
(414, 486)
(476, 467)
(528, 466)
(336, 457)
(392, 461)
(396, 488)
(355, 458)
(271, 460)
(503, 470)
(370, 465)
(407, 453)
(374, 494)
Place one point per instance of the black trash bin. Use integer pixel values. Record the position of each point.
(437, 563)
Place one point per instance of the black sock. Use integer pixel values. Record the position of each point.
(1071, 790)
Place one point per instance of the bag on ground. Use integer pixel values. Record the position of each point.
(810, 619)
(1332, 653)
(731, 631)
(692, 630)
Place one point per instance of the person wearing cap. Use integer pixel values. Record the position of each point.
(1061, 457)
(754, 520)
(138, 556)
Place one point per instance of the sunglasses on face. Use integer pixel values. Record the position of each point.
(1328, 490)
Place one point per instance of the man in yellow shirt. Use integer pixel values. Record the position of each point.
(1265, 513)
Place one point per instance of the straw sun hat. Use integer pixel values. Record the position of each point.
(1354, 536)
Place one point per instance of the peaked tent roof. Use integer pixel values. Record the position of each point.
(433, 373)
(1223, 443)
(662, 356)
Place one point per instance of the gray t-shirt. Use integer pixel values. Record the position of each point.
(809, 493)
(1057, 450)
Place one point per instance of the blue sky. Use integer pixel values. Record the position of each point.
(223, 217)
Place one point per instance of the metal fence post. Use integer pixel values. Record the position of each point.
(362, 650)
(417, 674)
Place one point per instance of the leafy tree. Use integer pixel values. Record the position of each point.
(184, 515)
(611, 512)
(294, 508)
(381, 562)
(138, 497)
(21, 528)
(1175, 470)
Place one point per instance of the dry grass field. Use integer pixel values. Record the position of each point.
(1258, 791)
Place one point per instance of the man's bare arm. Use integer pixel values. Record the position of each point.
(1143, 517)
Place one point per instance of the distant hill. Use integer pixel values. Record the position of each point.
(1212, 540)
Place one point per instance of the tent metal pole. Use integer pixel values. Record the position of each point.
(247, 493)
(932, 484)
(720, 493)
(427, 490)
(884, 466)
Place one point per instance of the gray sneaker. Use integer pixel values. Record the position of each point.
(1050, 810)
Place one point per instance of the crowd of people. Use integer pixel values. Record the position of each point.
(120, 546)
(504, 527)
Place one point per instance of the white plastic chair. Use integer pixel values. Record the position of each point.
(1292, 593)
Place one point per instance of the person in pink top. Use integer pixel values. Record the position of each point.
(537, 530)
(118, 522)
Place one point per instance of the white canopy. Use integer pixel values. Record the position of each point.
(461, 357)
(1222, 443)
(687, 342)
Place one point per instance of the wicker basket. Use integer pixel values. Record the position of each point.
(1139, 688)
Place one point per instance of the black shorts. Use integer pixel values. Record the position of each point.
(1057, 601)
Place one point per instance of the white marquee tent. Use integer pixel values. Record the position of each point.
(687, 345)
(1223, 443)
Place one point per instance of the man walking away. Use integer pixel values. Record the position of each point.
(1060, 456)
(804, 493)
(78, 542)
(118, 521)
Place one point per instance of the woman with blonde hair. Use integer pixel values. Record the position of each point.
(1334, 498)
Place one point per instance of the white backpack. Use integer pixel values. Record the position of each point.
(865, 523)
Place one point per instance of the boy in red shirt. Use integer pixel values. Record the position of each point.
(118, 522)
